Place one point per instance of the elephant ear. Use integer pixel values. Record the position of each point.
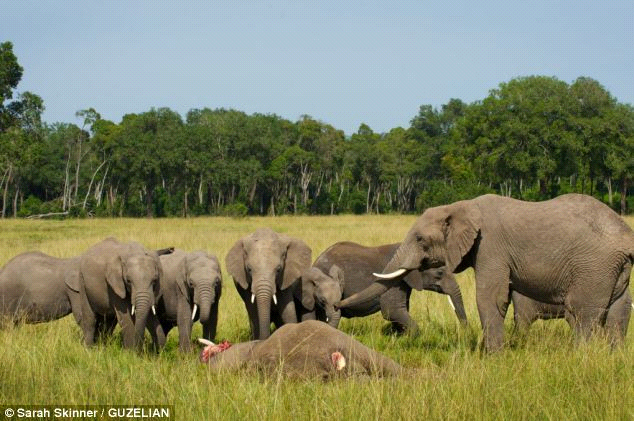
(461, 228)
(158, 291)
(415, 280)
(114, 276)
(182, 278)
(336, 273)
(71, 275)
(298, 259)
(308, 293)
(235, 264)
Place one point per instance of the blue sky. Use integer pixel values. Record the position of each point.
(342, 62)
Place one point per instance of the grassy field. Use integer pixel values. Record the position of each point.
(542, 376)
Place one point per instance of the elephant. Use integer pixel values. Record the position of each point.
(310, 349)
(266, 267)
(572, 250)
(190, 290)
(36, 287)
(526, 311)
(120, 282)
(346, 268)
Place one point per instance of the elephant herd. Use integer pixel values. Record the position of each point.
(569, 257)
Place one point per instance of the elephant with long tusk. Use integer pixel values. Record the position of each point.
(572, 251)
(190, 291)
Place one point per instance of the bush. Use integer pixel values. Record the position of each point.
(237, 210)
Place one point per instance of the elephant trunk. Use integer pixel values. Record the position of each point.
(142, 305)
(206, 297)
(368, 294)
(263, 301)
(333, 316)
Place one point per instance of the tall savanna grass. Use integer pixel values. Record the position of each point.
(540, 376)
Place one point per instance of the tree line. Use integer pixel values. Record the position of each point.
(531, 138)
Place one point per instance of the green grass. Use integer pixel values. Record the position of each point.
(542, 376)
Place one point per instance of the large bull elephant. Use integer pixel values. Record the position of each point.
(120, 282)
(572, 250)
(266, 267)
(191, 288)
(346, 268)
(36, 287)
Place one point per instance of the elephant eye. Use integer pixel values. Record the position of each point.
(419, 238)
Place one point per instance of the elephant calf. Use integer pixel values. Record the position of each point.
(526, 311)
(346, 268)
(35, 287)
(190, 290)
(302, 350)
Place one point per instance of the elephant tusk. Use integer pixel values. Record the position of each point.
(132, 312)
(392, 275)
(154, 310)
(274, 299)
(451, 303)
(194, 311)
(327, 319)
(206, 342)
(252, 298)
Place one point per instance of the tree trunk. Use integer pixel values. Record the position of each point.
(624, 196)
(5, 194)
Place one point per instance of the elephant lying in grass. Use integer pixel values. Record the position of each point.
(36, 287)
(346, 268)
(310, 349)
(190, 291)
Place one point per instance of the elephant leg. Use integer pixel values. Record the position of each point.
(493, 298)
(589, 312)
(184, 322)
(75, 305)
(524, 313)
(156, 332)
(88, 321)
(127, 328)
(287, 308)
(394, 308)
(209, 328)
(618, 318)
(251, 312)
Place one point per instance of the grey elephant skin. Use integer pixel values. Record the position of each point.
(36, 287)
(572, 250)
(310, 349)
(346, 268)
(120, 283)
(526, 311)
(266, 267)
(190, 291)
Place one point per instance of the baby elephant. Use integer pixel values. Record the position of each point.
(302, 350)
(346, 268)
(190, 287)
(526, 311)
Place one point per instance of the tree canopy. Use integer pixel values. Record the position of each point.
(531, 138)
